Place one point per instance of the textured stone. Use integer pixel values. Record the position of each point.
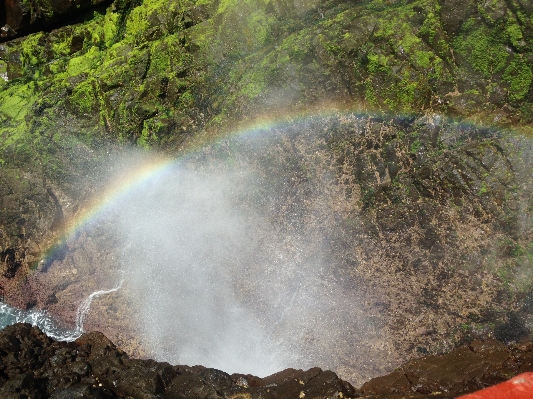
(115, 375)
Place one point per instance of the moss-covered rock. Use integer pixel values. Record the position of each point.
(143, 71)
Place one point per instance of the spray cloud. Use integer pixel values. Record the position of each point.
(227, 259)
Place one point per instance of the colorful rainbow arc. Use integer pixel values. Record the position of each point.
(114, 194)
(150, 170)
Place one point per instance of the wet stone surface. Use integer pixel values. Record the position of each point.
(422, 227)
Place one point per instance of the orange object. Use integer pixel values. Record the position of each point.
(519, 387)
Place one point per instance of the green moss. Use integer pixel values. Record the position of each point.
(137, 22)
(60, 44)
(405, 91)
(226, 5)
(58, 68)
(15, 137)
(483, 189)
(32, 51)
(397, 58)
(410, 42)
(151, 129)
(515, 35)
(85, 62)
(370, 95)
(424, 59)
(149, 16)
(258, 28)
(16, 100)
(415, 146)
(484, 53)
(470, 23)
(430, 27)
(377, 63)
(167, 56)
(519, 77)
(110, 28)
(3, 72)
(84, 97)
(186, 99)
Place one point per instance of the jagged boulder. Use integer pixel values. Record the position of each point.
(465, 369)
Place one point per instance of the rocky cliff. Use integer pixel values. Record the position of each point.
(428, 219)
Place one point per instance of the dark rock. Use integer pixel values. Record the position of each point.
(511, 331)
(454, 13)
(23, 17)
(83, 391)
(464, 369)
(92, 367)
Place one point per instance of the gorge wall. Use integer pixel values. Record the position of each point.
(365, 173)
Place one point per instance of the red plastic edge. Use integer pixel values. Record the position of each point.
(519, 387)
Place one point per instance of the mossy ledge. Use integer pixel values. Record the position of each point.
(155, 73)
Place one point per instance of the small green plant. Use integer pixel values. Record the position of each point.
(368, 196)
(415, 146)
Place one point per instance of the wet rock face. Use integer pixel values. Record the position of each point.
(465, 369)
(30, 210)
(21, 17)
(33, 365)
(430, 224)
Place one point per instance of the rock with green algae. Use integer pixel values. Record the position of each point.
(155, 73)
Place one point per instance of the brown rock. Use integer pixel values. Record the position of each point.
(465, 369)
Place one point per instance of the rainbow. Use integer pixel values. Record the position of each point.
(116, 192)
(119, 189)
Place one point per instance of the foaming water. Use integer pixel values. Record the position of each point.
(188, 245)
(39, 318)
(85, 306)
(42, 319)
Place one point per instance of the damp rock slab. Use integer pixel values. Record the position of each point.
(33, 365)
(464, 369)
